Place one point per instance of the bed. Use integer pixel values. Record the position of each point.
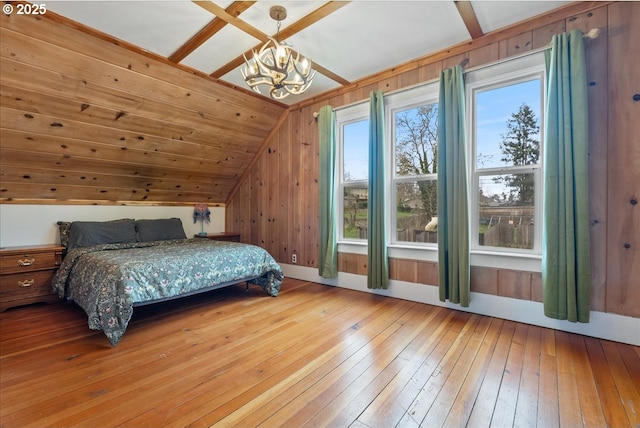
(111, 267)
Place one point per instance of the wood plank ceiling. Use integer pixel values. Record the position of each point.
(89, 116)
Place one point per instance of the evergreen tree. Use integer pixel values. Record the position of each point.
(520, 145)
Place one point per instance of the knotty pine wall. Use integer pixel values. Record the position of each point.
(85, 118)
(276, 205)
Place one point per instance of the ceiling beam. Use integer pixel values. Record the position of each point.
(208, 31)
(328, 73)
(310, 19)
(313, 17)
(236, 22)
(470, 19)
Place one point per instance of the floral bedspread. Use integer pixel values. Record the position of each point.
(107, 280)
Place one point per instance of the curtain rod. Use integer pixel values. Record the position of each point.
(591, 34)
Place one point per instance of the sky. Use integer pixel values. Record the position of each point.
(356, 152)
(494, 109)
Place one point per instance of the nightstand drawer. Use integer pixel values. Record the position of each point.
(27, 262)
(25, 285)
(26, 274)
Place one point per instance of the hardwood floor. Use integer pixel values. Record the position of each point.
(314, 356)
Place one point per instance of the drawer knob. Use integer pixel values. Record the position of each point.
(26, 283)
(26, 262)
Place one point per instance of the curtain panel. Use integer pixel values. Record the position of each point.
(328, 263)
(453, 215)
(566, 263)
(377, 256)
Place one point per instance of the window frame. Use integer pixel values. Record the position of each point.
(345, 116)
(407, 99)
(491, 257)
(514, 71)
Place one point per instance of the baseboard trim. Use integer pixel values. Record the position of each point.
(602, 325)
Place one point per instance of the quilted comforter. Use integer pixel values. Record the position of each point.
(108, 280)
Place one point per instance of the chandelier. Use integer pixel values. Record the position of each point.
(275, 66)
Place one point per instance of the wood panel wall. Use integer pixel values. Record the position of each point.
(84, 117)
(276, 206)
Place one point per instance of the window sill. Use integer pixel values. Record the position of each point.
(482, 258)
(505, 260)
(352, 247)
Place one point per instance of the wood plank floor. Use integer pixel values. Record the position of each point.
(314, 356)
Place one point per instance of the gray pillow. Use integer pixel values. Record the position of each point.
(160, 229)
(86, 233)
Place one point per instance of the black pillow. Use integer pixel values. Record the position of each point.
(86, 233)
(160, 229)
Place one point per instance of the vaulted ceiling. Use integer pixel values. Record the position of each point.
(143, 101)
(345, 41)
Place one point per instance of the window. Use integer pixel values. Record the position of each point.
(505, 140)
(353, 171)
(412, 116)
(504, 146)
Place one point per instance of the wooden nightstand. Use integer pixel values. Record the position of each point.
(26, 274)
(235, 237)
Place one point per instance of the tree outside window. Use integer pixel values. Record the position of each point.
(354, 178)
(416, 157)
(507, 139)
(520, 145)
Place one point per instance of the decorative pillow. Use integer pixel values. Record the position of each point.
(86, 233)
(160, 229)
(63, 228)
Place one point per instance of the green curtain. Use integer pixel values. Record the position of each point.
(453, 215)
(377, 261)
(328, 265)
(566, 263)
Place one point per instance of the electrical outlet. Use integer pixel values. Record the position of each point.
(294, 258)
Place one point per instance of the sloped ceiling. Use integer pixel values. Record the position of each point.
(345, 40)
(143, 101)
